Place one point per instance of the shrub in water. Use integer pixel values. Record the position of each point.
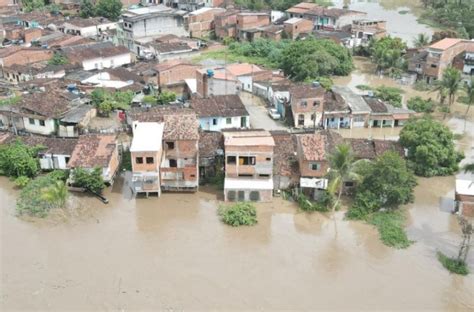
(238, 214)
(453, 265)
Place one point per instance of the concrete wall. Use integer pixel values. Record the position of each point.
(48, 128)
(265, 195)
(207, 123)
(157, 25)
(136, 167)
(107, 62)
(51, 162)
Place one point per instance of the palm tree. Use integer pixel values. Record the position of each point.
(342, 164)
(452, 81)
(56, 194)
(421, 40)
(470, 99)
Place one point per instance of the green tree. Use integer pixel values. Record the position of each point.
(31, 5)
(421, 40)
(98, 96)
(388, 53)
(450, 83)
(58, 59)
(18, 159)
(238, 214)
(469, 99)
(87, 9)
(420, 105)
(91, 180)
(387, 183)
(55, 194)
(106, 107)
(430, 146)
(391, 95)
(342, 168)
(110, 9)
(166, 97)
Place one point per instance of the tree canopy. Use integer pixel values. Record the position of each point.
(110, 9)
(18, 159)
(387, 183)
(430, 146)
(388, 53)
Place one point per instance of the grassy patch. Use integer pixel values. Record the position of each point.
(238, 214)
(231, 57)
(390, 226)
(453, 265)
(126, 164)
(364, 87)
(10, 101)
(403, 12)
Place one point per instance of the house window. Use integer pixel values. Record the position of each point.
(149, 160)
(31, 120)
(42, 123)
(228, 121)
(173, 163)
(231, 160)
(264, 175)
(314, 166)
(214, 121)
(304, 103)
(139, 160)
(254, 196)
(313, 117)
(245, 175)
(112, 62)
(170, 145)
(268, 159)
(433, 65)
(231, 195)
(66, 159)
(301, 120)
(241, 195)
(246, 160)
(316, 103)
(349, 184)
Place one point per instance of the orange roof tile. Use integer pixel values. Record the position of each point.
(445, 43)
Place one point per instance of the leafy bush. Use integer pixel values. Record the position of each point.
(18, 159)
(107, 101)
(21, 181)
(390, 226)
(431, 149)
(238, 214)
(60, 175)
(420, 105)
(90, 180)
(453, 265)
(387, 53)
(322, 204)
(126, 163)
(364, 87)
(31, 200)
(390, 94)
(422, 85)
(58, 59)
(11, 100)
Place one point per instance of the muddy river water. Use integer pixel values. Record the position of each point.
(173, 253)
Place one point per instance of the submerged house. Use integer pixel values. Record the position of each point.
(313, 157)
(211, 154)
(385, 115)
(307, 105)
(248, 165)
(221, 112)
(336, 112)
(180, 160)
(464, 197)
(97, 151)
(285, 161)
(146, 154)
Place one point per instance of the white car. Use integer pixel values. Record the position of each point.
(274, 114)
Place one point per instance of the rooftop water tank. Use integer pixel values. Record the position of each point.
(210, 73)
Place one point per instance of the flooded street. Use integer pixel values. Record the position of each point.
(173, 253)
(399, 14)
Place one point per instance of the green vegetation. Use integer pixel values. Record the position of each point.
(364, 87)
(10, 101)
(343, 168)
(452, 14)
(449, 85)
(324, 202)
(386, 184)
(238, 214)
(58, 59)
(431, 149)
(387, 53)
(390, 226)
(420, 105)
(421, 40)
(422, 85)
(40, 195)
(302, 60)
(453, 265)
(126, 164)
(90, 180)
(110, 9)
(165, 97)
(106, 101)
(469, 90)
(18, 159)
(21, 181)
(390, 95)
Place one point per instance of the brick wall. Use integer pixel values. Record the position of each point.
(32, 33)
(27, 56)
(144, 166)
(177, 74)
(252, 21)
(295, 29)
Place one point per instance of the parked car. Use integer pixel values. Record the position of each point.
(274, 114)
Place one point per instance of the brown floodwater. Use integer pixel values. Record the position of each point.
(401, 16)
(173, 253)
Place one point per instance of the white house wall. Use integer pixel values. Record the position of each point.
(47, 129)
(207, 123)
(56, 161)
(107, 62)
